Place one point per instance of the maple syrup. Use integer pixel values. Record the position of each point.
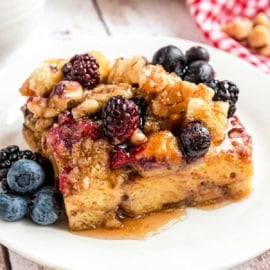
(138, 228)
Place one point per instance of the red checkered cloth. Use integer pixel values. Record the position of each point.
(209, 15)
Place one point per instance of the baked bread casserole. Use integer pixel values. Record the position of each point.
(129, 138)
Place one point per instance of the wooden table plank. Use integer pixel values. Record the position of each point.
(261, 262)
(4, 261)
(135, 17)
(70, 20)
(20, 263)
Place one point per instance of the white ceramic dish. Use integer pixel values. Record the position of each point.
(18, 22)
(216, 239)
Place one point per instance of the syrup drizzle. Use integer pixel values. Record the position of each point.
(140, 228)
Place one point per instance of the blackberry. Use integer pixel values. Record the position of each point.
(46, 166)
(194, 140)
(8, 156)
(82, 68)
(170, 57)
(5, 184)
(120, 118)
(225, 91)
(142, 104)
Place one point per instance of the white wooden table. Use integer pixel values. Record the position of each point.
(64, 20)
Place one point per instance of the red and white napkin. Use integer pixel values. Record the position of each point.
(209, 15)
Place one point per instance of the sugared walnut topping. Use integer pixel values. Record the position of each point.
(138, 137)
(88, 107)
(43, 78)
(104, 65)
(40, 107)
(170, 95)
(95, 99)
(65, 94)
(159, 155)
(126, 70)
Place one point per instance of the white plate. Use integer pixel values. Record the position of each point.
(216, 239)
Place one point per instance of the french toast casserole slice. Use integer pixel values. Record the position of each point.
(108, 170)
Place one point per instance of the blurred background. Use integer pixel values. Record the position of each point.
(26, 24)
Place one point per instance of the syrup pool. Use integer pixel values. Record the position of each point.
(140, 228)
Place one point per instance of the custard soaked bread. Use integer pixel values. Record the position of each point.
(131, 138)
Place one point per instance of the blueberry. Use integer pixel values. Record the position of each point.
(46, 206)
(197, 53)
(180, 70)
(12, 207)
(195, 140)
(170, 57)
(199, 71)
(25, 176)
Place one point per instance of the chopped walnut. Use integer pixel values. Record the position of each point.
(256, 33)
(238, 29)
(94, 100)
(172, 96)
(259, 36)
(43, 78)
(65, 94)
(265, 50)
(126, 70)
(138, 137)
(104, 65)
(40, 107)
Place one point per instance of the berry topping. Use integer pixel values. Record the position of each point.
(120, 157)
(142, 104)
(12, 207)
(170, 57)
(197, 53)
(25, 176)
(58, 89)
(46, 206)
(225, 91)
(82, 68)
(12, 153)
(195, 140)
(120, 118)
(71, 132)
(199, 71)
